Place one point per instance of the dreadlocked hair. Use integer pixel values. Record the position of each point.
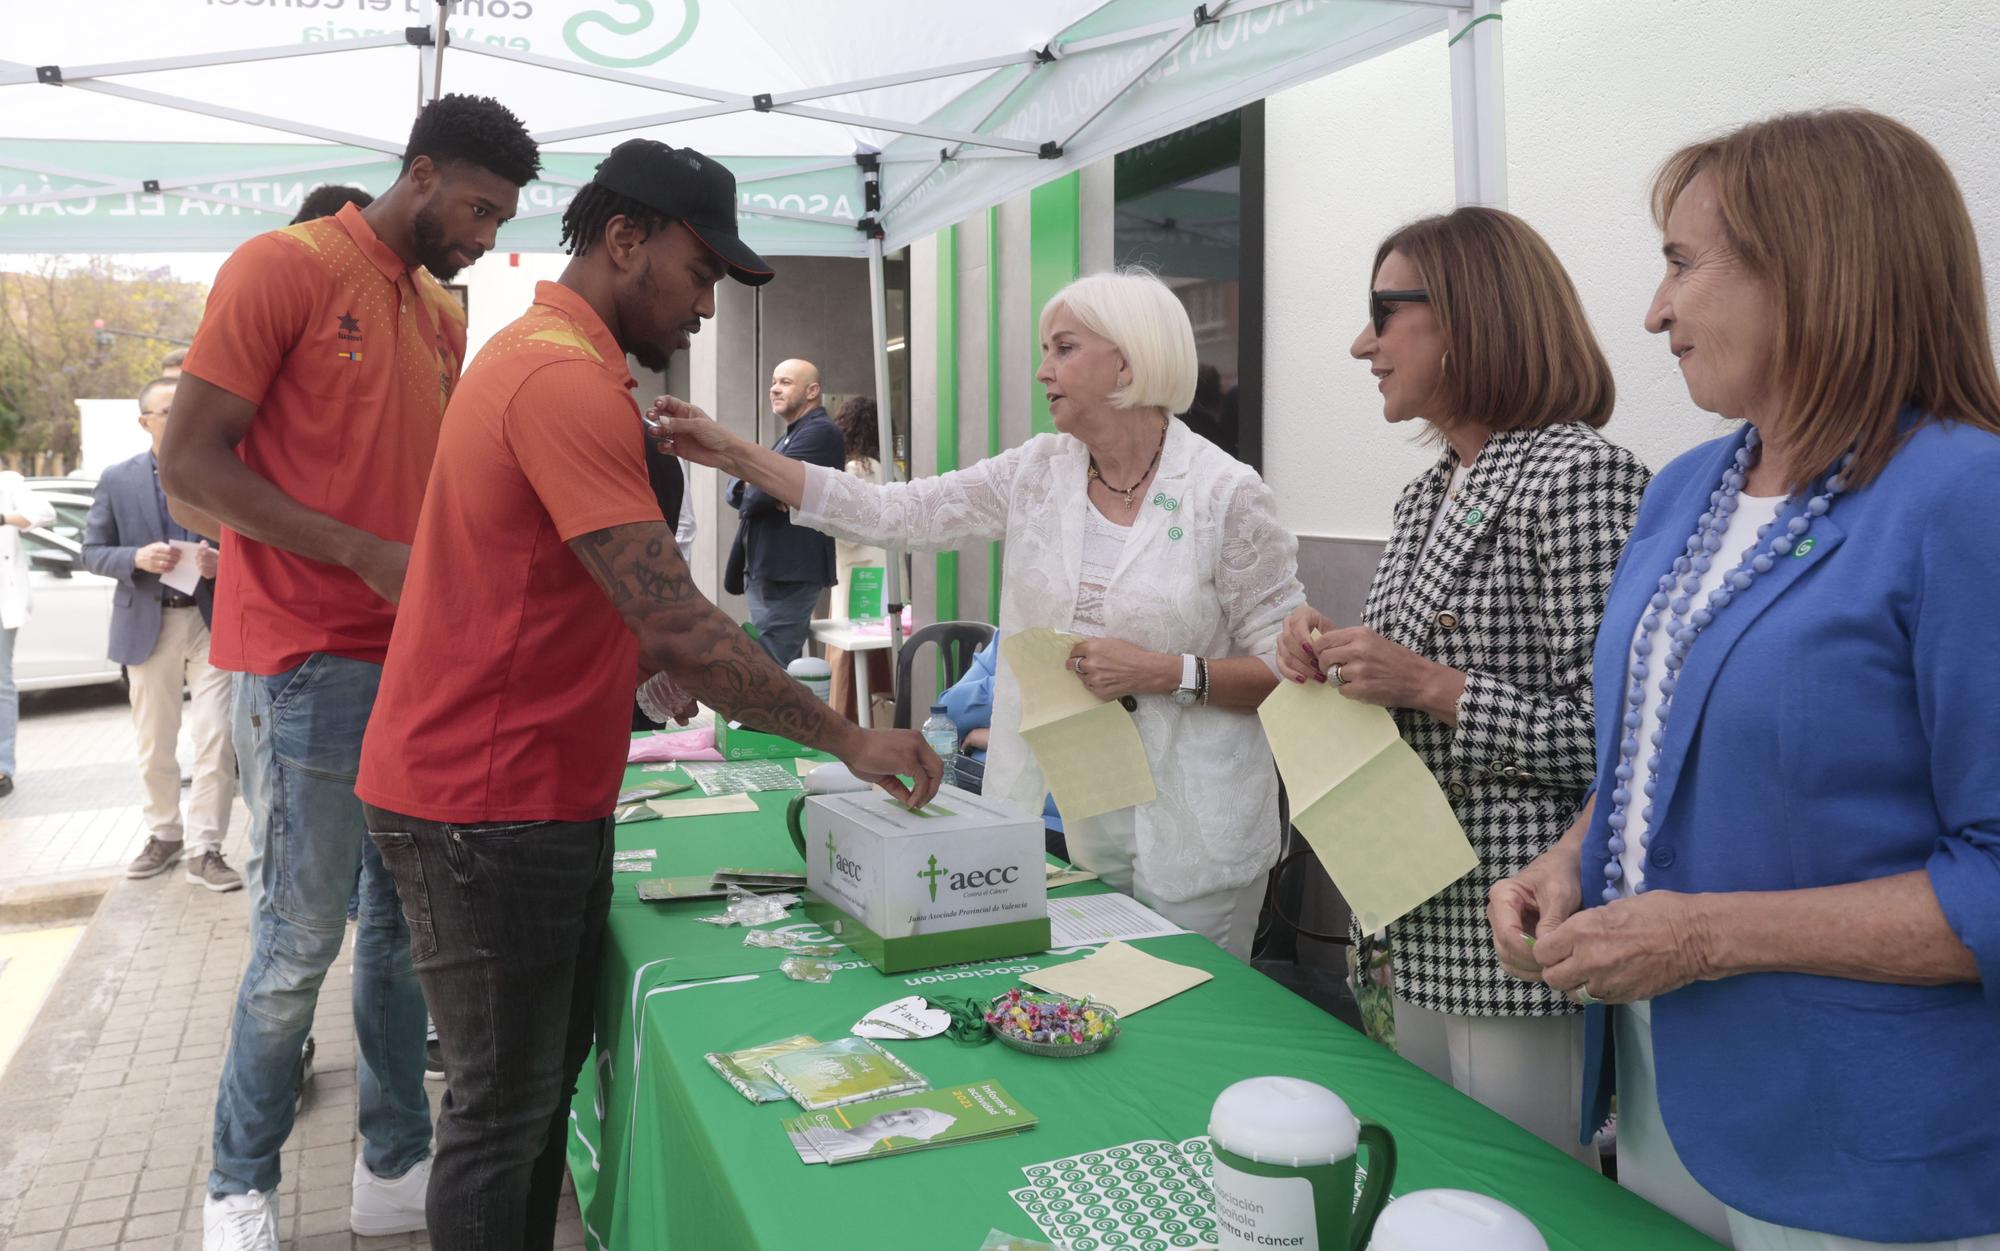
(476, 130)
(583, 222)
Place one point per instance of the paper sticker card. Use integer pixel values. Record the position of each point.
(1387, 837)
(904, 1123)
(1089, 750)
(1370, 809)
(744, 1069)
(846, 1070)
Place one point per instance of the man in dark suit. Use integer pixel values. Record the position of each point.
(787, 566)
(160, 635)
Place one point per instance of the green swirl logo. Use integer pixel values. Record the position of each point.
(641, 21)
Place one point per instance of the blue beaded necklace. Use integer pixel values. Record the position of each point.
(1675, 596)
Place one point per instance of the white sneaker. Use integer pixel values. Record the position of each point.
(384, 1206)
(247, 1222)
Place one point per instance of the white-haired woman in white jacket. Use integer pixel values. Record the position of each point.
(1132, 531)
(20, 509)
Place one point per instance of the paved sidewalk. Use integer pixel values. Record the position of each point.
(107, 1107)
(75, 810)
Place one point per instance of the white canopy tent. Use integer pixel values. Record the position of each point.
(853, 126)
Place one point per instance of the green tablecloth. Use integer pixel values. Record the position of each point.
(666, 1155)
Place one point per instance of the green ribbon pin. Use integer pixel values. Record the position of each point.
(1473, 516)
(1804, 549)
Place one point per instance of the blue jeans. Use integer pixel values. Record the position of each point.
(10, 703)
(298, 741)
(782, 613)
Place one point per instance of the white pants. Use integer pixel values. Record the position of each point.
(180, 659)
(1649, 1166)
(1108, 847)
(1529, 1069)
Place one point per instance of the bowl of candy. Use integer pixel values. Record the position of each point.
(1051, 1025)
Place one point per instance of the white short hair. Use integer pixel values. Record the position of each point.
(1145, 321)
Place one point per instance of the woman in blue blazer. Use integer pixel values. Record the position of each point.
(1787, 880)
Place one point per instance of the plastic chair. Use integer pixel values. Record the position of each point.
(956, 641)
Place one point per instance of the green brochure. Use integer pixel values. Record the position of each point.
(884, 1127)
(864, 592)
(846, 1070)
(743, 1069)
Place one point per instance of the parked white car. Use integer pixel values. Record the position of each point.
(69, 630)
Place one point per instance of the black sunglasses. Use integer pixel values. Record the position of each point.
(1379, 301)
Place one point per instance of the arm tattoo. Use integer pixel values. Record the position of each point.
(680, 631)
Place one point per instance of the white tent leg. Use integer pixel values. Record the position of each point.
(878, 312)
(438, 40)
(1478, 105)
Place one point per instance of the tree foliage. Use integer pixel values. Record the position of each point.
(51, 353)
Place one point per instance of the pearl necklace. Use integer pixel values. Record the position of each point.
(1675, 596)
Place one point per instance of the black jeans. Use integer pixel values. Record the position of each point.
(506, 923)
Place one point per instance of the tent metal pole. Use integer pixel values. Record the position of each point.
(932, 74)
(1187, 29)
(439, 36)
(605, 73)
(235, 56)
(247, 118)
(1478, 105)
(592, 129)
(939, 163)
(878, 313)
(923, 129)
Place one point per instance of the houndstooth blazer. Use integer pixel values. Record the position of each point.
(1509, 594)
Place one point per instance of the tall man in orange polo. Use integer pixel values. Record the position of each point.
(544, 580)
(306, 420)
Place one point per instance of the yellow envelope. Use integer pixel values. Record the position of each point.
(1088, 748)
(709, 806)
(1120, 976)
(1364, 801)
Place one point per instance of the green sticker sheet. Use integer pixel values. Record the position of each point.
(1148, 1193)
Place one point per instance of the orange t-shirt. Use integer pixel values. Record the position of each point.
(349, 355)
(508, 689)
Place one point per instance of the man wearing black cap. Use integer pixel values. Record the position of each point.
(543, 583)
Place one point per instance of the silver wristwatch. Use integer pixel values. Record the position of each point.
(1190, 687)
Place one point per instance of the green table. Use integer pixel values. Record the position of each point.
(666, 1155)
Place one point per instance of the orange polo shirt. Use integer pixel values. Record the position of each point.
(349, 355)
(507, 695)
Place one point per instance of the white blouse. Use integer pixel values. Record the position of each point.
(1103, 544)
(1205, 569)
(1752, 511)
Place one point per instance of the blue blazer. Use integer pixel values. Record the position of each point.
(1839, 722)
(125, 515)
(775, 550)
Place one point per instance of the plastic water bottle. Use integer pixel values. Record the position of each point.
(942, 735)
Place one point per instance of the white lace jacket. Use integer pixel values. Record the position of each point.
(1207, 570)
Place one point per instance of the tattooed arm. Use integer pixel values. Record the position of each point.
(682, 633)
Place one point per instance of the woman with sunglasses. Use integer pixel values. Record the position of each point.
(1478, 628)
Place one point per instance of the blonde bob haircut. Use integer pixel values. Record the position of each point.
(1858, 228)
(1519, 351)
(1144, 320)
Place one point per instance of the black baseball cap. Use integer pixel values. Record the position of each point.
(684, 184)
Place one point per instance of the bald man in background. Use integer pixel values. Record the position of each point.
(785, 567)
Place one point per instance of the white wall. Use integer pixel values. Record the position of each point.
(1598, 93)
(497, 293)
